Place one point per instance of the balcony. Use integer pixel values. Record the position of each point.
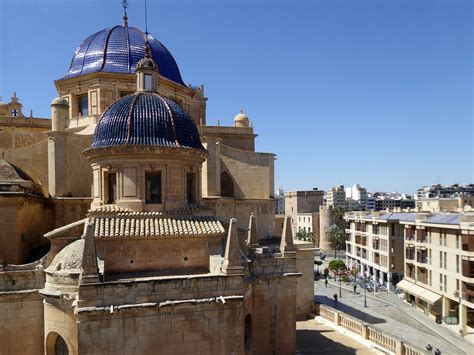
(467, 243)
(468, 292)
(409, 254)
(422, 275)
(361, 227)
(468, 268)
(361, 240)
(421, 235)
(422, 257)
(410, 234)
(377, 258)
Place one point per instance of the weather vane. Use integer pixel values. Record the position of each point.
(125, 17)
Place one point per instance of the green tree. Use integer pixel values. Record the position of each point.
(305, 236)
(338, 215)
(337, 237)
(337, 266)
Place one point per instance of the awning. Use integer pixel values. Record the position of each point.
(430, 296)
(418, 291)
(405, 285)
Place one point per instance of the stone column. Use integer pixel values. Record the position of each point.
(445, 306)
(462, 318)
(211, 168)
(57, 149)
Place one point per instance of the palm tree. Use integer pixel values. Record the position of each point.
(305, 235)
(338, 215)
(337, 237)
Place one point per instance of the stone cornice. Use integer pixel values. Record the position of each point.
(136, 151)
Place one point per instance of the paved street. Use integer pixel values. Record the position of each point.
(389, 313)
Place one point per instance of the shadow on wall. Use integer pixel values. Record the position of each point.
(314, 341)
(348, 310)
(229, 188)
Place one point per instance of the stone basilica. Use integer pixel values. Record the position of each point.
(130, 226)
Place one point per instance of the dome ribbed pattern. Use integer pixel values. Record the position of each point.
(146, 119)
(118, 50)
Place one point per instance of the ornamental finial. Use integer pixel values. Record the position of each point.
(125, 17)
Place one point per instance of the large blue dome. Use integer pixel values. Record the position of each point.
(118, 50)
(146, 119)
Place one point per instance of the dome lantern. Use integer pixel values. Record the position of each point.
(147, 72)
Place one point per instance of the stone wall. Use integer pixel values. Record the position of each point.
(271, 301)
(23, 221)
(227, 208)
(305, 283)
(22, 132)
(32, 159)
(252, 173)
(21, 322)
(188, 328)
(175, 254)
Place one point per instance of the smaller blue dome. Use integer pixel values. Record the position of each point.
(146, 119)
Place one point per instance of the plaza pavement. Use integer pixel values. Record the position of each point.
(390, 314)
(315, 338)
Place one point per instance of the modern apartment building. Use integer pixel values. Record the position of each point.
(439, 267)
(336, 196)
(440, 191)
(375, 245)
(357, 193)
(444, 204)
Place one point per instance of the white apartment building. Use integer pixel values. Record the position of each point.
(375, 245)
(439, 268)
(357, 193)
(336, 196)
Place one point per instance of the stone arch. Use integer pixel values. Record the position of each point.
(57, 345)
(227, 185)
(248, 333)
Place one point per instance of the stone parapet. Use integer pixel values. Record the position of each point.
(382, 340)
(159, 289)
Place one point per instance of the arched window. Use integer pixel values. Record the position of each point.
(227, 185)
(60, 347)
(248, 333)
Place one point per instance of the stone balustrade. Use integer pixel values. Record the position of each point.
(365, 331)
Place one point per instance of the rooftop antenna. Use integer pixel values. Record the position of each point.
(125, 17)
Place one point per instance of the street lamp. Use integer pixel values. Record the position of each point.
(365, 291)
(340, 285)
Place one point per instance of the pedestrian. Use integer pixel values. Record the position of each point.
(335, 299)
(355, 288)
(326, 282)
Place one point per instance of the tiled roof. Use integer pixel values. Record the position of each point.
(118, 50)
(146, 226)
(443, 219)
(146, 119)
(120, 211)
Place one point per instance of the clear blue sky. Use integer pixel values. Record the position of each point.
(373, 92)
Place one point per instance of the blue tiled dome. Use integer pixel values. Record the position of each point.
(118, 50)
(146, 119)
